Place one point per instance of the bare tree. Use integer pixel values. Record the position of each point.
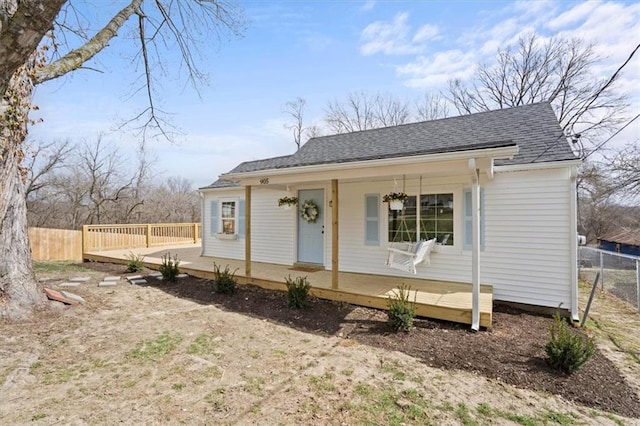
(597, 208)
(431, 106)
(558, 70)
(625, 168)
(160, 24)
(41, 161)
(101, 166)
(361, 111)
(295, 110)
(174, 200)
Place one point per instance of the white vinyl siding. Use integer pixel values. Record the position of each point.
(211, 244)
(273, 229)
(213, 214)
(526, 233)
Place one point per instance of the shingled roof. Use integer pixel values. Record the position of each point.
(533, 128)
(629, 237)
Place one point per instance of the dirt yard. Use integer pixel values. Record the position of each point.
(178, 353)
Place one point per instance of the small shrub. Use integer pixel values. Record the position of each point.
(134, 262)
(297, 292)
(169, 268)
(401, 310)
(567, 351)
(224, 281)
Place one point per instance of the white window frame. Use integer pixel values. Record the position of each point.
(458, 214)
(221, 219)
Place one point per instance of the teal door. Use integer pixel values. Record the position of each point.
(311, 234)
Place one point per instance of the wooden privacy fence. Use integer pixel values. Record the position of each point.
(117, 237)
(55, 244)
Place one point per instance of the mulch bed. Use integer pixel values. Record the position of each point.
(513, 351)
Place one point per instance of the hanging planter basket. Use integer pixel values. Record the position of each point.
(396, 200)
(396, 205)
(287, 202)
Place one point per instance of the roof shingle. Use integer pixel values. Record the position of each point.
(534, 128)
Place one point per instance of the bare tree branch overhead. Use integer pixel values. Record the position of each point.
(557, 70)
(164, 25)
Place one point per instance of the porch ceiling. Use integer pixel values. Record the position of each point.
(378, 170)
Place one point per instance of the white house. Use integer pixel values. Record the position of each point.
(496, 189)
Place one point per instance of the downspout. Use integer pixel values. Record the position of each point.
(475, 249)
(201, 223)
(573, 239)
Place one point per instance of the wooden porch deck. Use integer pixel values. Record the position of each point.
(450, 301)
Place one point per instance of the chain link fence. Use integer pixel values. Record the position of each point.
(619, 273)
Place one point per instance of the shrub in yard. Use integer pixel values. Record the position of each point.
(224, 280)
(134, 262)
(297, 292)
(567, 351)
(169, 268)
(401, 311)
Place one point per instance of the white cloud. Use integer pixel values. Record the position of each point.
(394, 38)
(368, 5)
(571, 16)
(609, 26)
(424, 33)
(436, 70)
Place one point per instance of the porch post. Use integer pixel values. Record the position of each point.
(475, 249)
(335, 252)
(247, 230)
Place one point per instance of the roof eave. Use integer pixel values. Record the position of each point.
(501, 153)
(539, 166)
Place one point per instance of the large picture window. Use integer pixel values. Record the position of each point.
(436, 218)
(433, 219)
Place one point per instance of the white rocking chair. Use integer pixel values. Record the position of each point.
(407, 260)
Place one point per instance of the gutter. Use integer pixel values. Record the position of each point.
(504, 153)
(537, 166)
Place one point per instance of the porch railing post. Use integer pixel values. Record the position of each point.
(148, 235)
(85, 239)
(195, 233)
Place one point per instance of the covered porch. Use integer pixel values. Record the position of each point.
(466, 302)
(450, 301)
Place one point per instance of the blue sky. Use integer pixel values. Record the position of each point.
(320, 51)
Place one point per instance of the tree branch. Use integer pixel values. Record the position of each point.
(74, 59)
(22, 26)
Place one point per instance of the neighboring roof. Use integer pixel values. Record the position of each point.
(533, 128)
(629, 237)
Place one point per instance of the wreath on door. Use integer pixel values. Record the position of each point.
(309, 211)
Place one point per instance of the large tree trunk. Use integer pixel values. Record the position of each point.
(20, 292)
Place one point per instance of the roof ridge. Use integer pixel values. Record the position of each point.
(473, 114)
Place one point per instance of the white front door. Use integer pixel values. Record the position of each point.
(311, 234)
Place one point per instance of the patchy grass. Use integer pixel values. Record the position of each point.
(203, 344)
(387, 405)
(153, 350)
(324, 383)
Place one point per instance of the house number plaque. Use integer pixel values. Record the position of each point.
(264, 181)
